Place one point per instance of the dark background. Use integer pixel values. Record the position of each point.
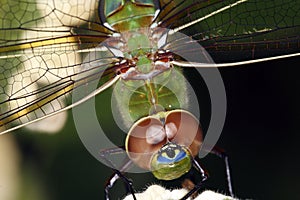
(261, 136)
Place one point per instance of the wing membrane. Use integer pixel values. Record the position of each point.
(237, 30)
(48, 49)
(44, 82)
(32, 20)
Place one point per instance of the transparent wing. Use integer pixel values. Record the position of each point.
(47, 49)
(50, 47)
(236, 30)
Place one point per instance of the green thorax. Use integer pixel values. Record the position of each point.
(139, 45)
(140, 98)
(124, 15)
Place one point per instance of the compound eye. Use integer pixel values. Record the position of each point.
(144, 139)
(143, 2)
(111, 7)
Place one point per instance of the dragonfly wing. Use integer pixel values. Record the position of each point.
(27, 21)
(236, 30)
(41, 86)
(47, 49)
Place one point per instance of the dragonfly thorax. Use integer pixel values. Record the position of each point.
(142, 58)
(143, 68)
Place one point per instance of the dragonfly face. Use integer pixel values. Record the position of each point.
(165, 143)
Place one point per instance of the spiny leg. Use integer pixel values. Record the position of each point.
(198, 185)
(115, 176)
(221, 154)
(117, 173)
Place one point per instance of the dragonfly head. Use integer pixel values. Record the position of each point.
(123, 15)
(171, 161)
(165, 147)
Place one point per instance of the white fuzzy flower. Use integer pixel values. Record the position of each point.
(156, 192)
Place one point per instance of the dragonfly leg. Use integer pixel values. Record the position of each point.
(111, 181)
(222, 154)
(197, 186)
(118, 173)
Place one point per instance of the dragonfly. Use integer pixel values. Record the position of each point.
(51, 50)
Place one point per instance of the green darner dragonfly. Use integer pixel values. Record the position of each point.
(52, 48)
